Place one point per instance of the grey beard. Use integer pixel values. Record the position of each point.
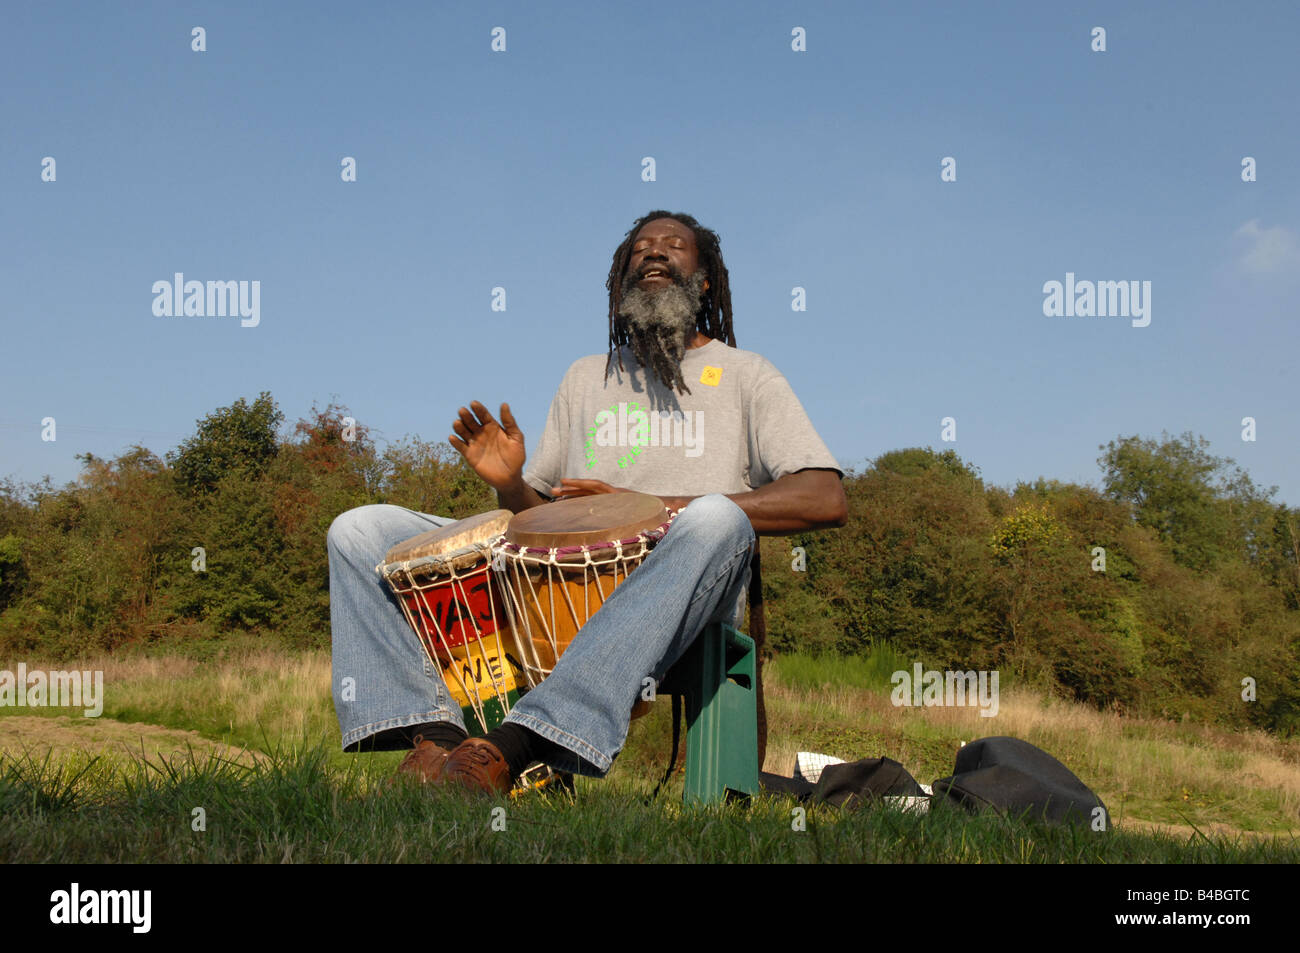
(660, 325)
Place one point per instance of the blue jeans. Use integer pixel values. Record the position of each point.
(383, 680)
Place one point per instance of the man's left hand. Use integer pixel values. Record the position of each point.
(573, 488)
(570, 488)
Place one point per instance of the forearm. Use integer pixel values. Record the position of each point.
(798, 502)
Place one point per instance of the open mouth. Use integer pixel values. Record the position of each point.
(655, 272)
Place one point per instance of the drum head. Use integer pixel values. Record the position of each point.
(459, 535)
(584, 520)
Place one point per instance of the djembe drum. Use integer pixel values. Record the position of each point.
(559, 563)
(447, 590)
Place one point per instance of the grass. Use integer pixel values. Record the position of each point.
(116, 789)
(294, 806)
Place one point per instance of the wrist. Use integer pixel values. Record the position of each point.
(515, 489)
(514, 484)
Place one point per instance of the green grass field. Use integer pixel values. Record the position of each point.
(248, 745)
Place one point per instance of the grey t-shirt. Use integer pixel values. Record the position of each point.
(740, 427)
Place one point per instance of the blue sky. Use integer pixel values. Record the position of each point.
(522, 169)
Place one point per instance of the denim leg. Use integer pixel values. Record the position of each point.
(698, 574)
(382, 677)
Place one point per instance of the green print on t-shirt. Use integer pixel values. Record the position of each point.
(589, 447)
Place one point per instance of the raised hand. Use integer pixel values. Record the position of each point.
(495, 450)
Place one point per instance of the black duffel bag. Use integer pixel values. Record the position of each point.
(1017, 779)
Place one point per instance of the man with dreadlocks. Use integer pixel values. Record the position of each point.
(735, 456)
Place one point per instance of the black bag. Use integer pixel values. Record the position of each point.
(842, 784)
(1018, 779)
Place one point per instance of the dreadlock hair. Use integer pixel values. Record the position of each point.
(714, 318)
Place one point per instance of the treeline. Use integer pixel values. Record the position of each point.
(1163, 593)
(1173, 590)
(226, 535)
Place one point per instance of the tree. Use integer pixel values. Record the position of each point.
(1169, 487)
(914, 461)
(241, 437)
(12, 575)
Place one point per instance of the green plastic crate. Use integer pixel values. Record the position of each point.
(716, 678)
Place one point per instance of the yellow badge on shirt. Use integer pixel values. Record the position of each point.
(711, 376)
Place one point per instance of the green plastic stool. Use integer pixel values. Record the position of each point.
(716, 678)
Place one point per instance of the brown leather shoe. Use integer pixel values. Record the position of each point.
(426, 763)
(479, 766)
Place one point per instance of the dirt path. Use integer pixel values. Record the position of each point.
(63, 735)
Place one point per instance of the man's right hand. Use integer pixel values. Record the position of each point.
(495, 450)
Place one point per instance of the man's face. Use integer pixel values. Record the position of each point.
(663, 252)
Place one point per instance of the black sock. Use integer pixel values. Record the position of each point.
(442, 733)
(521, 746)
